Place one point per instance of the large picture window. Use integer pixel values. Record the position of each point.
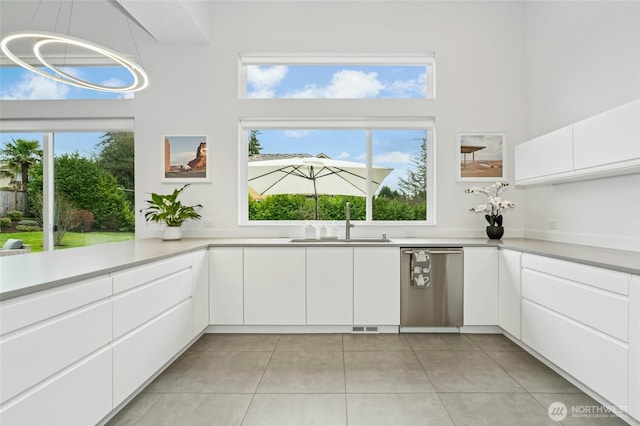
(307, 171)
(67, 189)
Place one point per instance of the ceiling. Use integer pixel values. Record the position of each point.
(111, 23)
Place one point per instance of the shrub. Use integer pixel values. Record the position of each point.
(27, 228)
(28, 222)
(14, 215)
(5, 223)
(84, 219)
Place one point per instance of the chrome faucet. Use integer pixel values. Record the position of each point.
(348, 224)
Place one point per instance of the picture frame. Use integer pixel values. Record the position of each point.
(185, 159)
(481, 156)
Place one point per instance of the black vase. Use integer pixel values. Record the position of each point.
(495, 232)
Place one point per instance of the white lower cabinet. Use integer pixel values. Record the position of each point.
(274, 286)
(152, 320)
(140, 354)
(634, 347)
(200, 291)
(480, 286)
(77, 396)
(509, 294)
(577, 316)
(376, 286)
(55, 360)
(330, 286)
(226, 286)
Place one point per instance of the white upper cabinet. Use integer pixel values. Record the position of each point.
(607, 138)
(545, 156)
(606, 144)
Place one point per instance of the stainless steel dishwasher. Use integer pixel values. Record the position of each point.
(431, 282)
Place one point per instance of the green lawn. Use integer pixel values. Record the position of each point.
(70, 240)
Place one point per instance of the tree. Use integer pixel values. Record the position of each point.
(117, 157)
(20, 155)
(254, 143)
(414, 186)
(88, 187)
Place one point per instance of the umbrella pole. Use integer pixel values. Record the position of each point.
(315, 193)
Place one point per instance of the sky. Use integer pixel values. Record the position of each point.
(336, 81)
(18, 83)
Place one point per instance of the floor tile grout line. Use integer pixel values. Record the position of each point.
(253, 396)
(432, 384)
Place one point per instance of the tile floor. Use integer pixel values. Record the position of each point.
(355, 379)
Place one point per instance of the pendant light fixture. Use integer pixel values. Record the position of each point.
(40, 39)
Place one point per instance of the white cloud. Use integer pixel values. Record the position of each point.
(407, 88)
(393, 157)
(344, 84)
(116, 82)
(343, 155)
(296, 134)
(34, 86)
(264, 80)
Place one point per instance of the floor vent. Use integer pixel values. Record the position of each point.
(365, 329)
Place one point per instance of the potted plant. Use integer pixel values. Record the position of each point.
(168, 209)
(493, 208)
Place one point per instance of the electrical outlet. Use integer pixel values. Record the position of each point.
(552, 224)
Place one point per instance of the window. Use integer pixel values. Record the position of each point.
(78, 190)
(307, 170)
(20, 84)
(354, 77)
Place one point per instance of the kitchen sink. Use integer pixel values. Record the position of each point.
(339, 240)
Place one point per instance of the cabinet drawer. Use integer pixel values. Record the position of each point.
(132, 308)
(139, 355)
(594, 359)
(23, 311)
(33, 354)
(604, 279)
(134, 277)
(605, 311)
(78, 397)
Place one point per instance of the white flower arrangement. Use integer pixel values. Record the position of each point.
(493, 208)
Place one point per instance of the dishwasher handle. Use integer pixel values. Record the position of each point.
(434, 251)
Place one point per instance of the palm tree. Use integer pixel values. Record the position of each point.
(20, 155)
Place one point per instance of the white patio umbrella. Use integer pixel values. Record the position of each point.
(313, 175)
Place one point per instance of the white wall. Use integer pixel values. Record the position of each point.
(582, 58)
(479, 50)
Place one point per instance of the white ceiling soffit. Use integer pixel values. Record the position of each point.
(172, 21)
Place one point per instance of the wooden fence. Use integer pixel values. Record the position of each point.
(13, 200)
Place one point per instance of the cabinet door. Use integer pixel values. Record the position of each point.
(140, 354)
(274, 286)
(78, 396)
(330, 286)
(200, 291)
(376, 286)
(546, 155)
(634, 346)
(226, 286)
(607, 138)
(480, 286)
(509, 291)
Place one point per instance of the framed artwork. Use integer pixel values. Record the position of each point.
(481, 156)
(185, 159)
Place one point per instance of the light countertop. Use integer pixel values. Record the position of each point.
(25, 274)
